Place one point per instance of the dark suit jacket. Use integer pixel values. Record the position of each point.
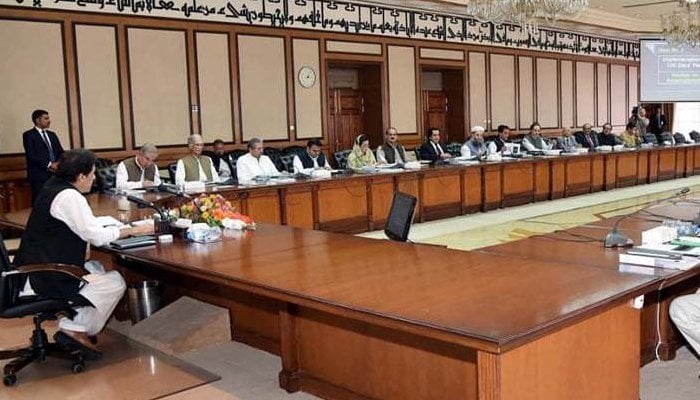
(37, 154)
(658, 124)
(427, 152)
(581, 138)
(610, 140)
(217, 161)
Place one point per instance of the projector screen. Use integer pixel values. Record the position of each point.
(668, 73)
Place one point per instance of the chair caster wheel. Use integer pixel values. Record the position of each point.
(78, 367)
(9, 380)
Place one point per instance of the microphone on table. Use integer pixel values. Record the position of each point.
(615, 238)
(146, 204)
(172, 189)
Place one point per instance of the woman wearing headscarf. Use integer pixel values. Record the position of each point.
(361, 155)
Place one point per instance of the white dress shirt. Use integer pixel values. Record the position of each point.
(180, 173)
(44, 134)
(123, 177)
(224, 171)
(72, 208)
(248, 167)
(299, 166)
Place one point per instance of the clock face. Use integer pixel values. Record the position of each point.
(307, 77)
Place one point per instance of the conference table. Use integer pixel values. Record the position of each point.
(582, 246)
(358, 318)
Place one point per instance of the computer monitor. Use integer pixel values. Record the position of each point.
(400, 216)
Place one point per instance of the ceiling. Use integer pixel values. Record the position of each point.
(604, 17)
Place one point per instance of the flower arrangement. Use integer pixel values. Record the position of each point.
(214, 209)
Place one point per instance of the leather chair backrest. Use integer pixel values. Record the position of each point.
(695, 135)
(650, 138)
(667, 137)
(341, 158)
(454, 148)
(679, 138)
(7, 292)
(171, 171)
(287, 160)
(274, 154)
(106, 178)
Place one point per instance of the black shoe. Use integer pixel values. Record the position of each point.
(68, 342)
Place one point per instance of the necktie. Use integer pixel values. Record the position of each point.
(438, 150)
(590, 141)
(45, 136)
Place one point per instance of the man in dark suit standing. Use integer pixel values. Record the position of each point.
(658, 124)
(42, 150)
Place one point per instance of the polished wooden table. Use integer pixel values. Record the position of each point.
(366, 319)
(359, 318)
(583, 247)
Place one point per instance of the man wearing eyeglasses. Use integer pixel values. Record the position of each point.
(195, 166)
(139, 171)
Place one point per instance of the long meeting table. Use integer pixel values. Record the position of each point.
(358, 318)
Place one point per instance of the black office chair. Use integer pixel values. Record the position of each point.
(666, 138)
(341, 158)
(695, 135)
(650, 138)
(454, 148)
(43, 309)
(106, 178)
(400, 217)
(172, 168)
(275, 154)
(679, 138)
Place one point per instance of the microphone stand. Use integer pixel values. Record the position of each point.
(163, 225)
(615, 238)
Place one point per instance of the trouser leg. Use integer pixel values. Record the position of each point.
(685, 313)
(104, 291)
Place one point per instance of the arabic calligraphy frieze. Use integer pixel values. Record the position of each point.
(353, 18)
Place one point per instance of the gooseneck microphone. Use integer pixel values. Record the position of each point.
(146, 204)
(616, 238)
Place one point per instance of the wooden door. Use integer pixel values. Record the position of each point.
(435, 108)
(346, 108)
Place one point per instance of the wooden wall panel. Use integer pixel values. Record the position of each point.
(618, 95)
(214, 75)
(547, 89)
(633, 88)
(263, 87)
(456, 55)
(402, 89)
(98, 78)
(603, 95)
(566, 89)
(526, 93)
(353, 47)
(31, 76)
(307, 101)
(503, 106)
(477, 89)
(585, 90)
(159, 86)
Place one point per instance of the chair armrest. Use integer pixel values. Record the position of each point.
(68, 269)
